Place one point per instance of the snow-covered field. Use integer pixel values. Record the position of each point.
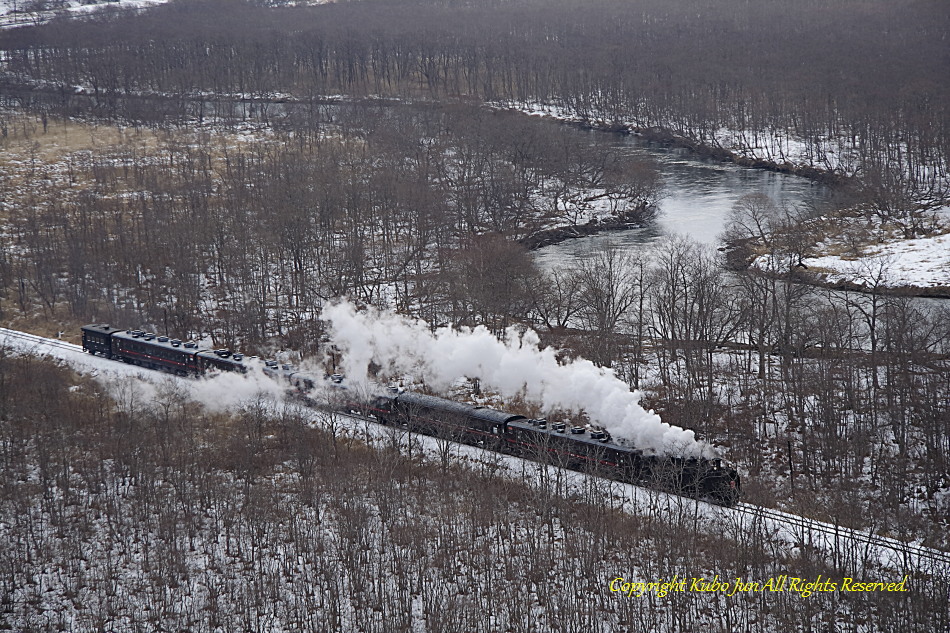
(14, 13)
(866, 254)
(919, 263)
(25, 7)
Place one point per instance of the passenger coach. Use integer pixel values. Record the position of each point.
(147, 349)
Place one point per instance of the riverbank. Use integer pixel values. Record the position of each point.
(557, 234)
(836, 281)
(851, 252)
(718, 150)
(658, 135)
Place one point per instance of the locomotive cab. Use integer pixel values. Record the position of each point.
(721, 483)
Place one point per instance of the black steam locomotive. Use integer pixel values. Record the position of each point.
(575, 447)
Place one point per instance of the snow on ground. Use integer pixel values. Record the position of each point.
(921, 263)
(865, 253)
(515, 366)
(14, 13)
(231, 390)
(224, 391)
(782, 147)
(787, 529)
(26, 9)
(778, 146)
(918, 263)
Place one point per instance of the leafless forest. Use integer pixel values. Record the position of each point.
(122, 515)
(225, 168)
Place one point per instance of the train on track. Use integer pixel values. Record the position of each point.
(575, 447)
(580, 448)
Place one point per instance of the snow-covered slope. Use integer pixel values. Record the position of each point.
(31, 12)
(14, 13)
(228, 390)
(920, 263)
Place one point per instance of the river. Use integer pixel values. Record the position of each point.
(699, 193)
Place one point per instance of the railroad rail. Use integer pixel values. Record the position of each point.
(39, 340)
(832, 537)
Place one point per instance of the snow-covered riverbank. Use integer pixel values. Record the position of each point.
(861, 255)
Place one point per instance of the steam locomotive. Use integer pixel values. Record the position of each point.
(575, 447)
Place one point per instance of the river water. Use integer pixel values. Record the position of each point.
(699, 194)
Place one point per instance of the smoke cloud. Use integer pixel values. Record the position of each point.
(513, 366)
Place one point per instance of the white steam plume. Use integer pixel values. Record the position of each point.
(512, 367)
(223, 391)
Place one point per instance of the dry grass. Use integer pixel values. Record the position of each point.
(42, 163)
(56, 156)
(41, 324)
(62, 137)
(852, 236)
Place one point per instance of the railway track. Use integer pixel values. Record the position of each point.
(39, 341)
(801, 530)
(832, 538)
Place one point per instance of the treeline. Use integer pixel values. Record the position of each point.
(419, 208)
(120, 511)
(859, 84)
(849, 389)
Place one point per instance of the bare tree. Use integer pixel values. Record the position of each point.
(608, 287)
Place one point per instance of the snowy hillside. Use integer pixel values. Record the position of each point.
(147, 514)
(14, 13)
